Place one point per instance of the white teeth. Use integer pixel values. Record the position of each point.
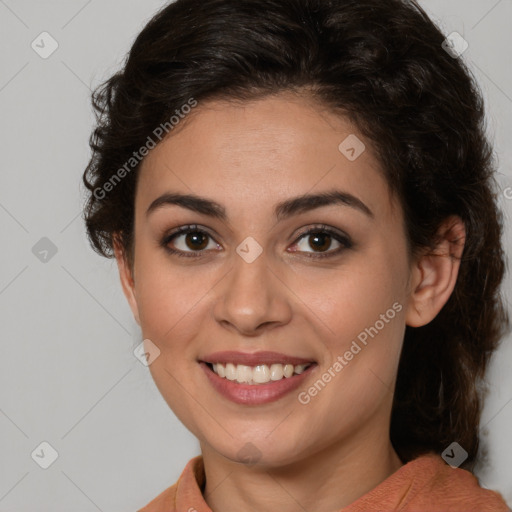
(231, 371)
(243, 373)
(300, 368)
(220, 370)
(276, 372)
(260, 374)
(288, 370)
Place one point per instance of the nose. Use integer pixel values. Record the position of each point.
(253, 297)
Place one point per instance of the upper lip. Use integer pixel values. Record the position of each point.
(254, 358)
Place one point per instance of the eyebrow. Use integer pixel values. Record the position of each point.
(282, 211)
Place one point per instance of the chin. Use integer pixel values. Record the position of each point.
(259, 452)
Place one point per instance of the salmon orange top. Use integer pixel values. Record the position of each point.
(425, 484)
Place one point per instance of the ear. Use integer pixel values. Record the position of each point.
(127, 279)
(434, 274)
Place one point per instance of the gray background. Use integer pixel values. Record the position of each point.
(68, 374)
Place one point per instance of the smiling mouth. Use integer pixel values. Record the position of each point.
(258, 374)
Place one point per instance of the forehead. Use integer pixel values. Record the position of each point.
(254, 154)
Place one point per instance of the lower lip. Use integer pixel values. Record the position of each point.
(256, 394)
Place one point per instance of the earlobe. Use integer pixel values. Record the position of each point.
(434, 274)
(127, 280)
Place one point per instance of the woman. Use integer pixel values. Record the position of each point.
(299, 197)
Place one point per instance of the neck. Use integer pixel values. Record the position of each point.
(325, 481)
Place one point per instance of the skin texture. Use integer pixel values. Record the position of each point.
(249, 156)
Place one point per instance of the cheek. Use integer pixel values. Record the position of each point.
(347, 301)
(170, 312)
(169, 298)
(360, 313)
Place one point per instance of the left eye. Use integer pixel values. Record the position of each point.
(320, 240)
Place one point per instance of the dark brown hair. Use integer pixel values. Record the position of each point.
(382, 63)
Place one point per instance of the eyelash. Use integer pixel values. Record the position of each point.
(321, 228)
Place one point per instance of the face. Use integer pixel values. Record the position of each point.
(268, 282)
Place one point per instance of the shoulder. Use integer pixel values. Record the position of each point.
(454, 489)
(427, 484)
(186, 490)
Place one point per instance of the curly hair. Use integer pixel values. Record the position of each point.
(383, 65)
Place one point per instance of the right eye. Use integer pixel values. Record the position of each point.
(189, 241)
